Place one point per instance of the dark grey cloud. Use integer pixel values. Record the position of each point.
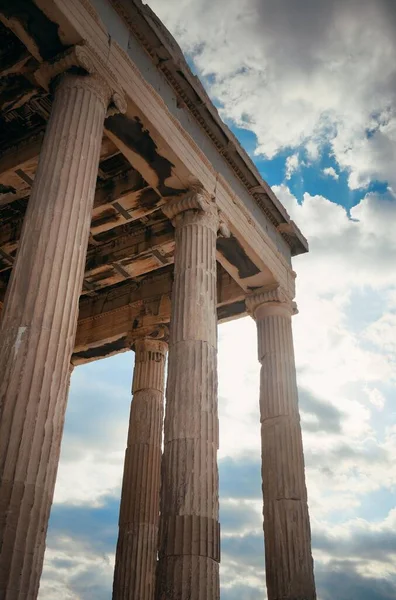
(309, 19)
(245, 550)
(349, 455)
(301, 26)
(363, 545)
(62, 563)
(328, 418)
(96, 528)
(238, 517)
(240, 477)
(341, 581)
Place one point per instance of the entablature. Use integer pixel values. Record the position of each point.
(170, 140)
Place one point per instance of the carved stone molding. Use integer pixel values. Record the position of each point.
(224, 230)
(156, 334)
(149, 344)
(269, 297)
(201, 203)
(193, 200)
(83, 57)
(91, 10)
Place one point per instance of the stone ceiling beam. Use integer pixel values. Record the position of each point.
(117, 202)
(130, 256)
(105, 321)
(16, 157)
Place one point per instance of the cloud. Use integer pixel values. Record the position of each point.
(96, 428)
(79, 559)
(240, 477)
(383, 332)
(341, 580)
(360, 540)
(318, 415)
(292, 165)
(71, 572)
(330, 172)
(242, 592)
(311, 73)
(96, 527)
(376, 398)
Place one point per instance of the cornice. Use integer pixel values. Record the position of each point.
(133, 13)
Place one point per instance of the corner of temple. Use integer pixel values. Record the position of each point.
(82, 56)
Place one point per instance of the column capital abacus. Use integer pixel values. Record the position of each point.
(148, 344)
(270, 300)
(155, 338)
(196, 206)
(150, 355)
(81, 60)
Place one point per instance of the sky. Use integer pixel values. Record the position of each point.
(309, 89)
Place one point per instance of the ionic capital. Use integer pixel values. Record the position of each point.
(195, 207)
(156, 348)
(150, 355)
(83, 60)
(154, 338)
(270, 300)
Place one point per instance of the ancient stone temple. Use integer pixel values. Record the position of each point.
(131, 218)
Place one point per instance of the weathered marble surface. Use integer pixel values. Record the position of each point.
(287, 534)
(38, 328)
(189, 552)
(136, 556)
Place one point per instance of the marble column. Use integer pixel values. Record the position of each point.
(287, 536)
(39, 323)
(137, 547)
(189, 552)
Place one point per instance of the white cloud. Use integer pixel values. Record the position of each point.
(331, 172)
(294, 80)
(342, 364)
(383, 333)
(95, 434)
(292, 165)
(376, 398)
(73, 571)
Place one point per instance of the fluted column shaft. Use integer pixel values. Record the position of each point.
(189, 533)
(287, 536)
(137, 547)
(38, 327)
